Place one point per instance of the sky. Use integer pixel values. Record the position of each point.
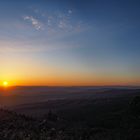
(70, 42)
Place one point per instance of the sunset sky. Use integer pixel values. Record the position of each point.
(70, 42)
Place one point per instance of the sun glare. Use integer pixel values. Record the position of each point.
(5, 83)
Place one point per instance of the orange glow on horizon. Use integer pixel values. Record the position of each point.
(36, 78)
(35, 73)
(70, 82)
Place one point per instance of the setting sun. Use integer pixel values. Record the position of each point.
(5, 83)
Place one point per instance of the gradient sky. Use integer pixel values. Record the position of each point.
(70, 42)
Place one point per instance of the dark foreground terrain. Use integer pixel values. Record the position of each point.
(113, 115)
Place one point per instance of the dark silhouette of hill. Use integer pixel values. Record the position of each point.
(114, 118)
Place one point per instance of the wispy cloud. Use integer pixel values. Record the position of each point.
(56, 21)
(70, 11)
(56, 31)
(35, 22)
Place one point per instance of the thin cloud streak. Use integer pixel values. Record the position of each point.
(30, 46)
(36, 23)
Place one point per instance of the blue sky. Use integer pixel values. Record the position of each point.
(96, 40)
